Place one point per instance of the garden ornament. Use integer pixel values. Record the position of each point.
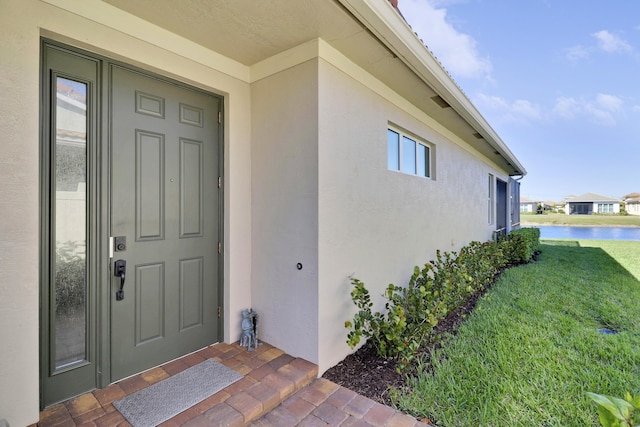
(249, 337)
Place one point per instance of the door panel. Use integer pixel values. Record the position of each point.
(149, 185)
(191, 292)
(164, 196)
(191, 191)
(149, 302)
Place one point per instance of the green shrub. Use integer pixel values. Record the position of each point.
(522, 244)
(441, 286)
(388, 332)
(616, 412)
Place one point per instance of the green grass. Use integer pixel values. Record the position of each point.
(530, 350)
(593, 220)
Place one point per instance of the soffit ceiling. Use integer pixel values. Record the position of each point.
(249, 31)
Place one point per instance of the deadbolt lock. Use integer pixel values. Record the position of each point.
(120, 244)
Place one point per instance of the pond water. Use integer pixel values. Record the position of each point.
(592, 233)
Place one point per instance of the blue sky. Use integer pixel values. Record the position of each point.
(559, 81)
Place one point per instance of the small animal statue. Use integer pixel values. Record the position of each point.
(249, 337)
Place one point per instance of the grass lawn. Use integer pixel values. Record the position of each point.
(530, 350)
(593, 220)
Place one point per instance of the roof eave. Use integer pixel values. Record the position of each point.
(383, 21)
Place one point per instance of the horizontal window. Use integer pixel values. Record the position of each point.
(406, 154)
(605, 207)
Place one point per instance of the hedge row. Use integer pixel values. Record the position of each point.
(522, 244)
(442, 285)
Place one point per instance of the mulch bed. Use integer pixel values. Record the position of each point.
(372, 376)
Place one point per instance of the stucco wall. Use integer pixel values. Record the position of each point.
(322, 196)
(104, 30)
(285, 208)
(377, 224)
(527, 207)
(19, 220)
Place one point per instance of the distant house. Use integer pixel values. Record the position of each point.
(555, 206)
(528, 206)
(590, 203)
(632, 202)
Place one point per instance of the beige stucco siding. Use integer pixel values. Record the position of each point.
(377, 224)
(285, 208)
(106, 31)
(19, 65)
(322, 196)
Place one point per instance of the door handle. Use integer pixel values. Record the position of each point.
(120, 270)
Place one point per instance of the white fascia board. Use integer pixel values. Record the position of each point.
(126, 23)
(379, 17)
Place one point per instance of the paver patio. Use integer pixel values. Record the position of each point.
(277, 390)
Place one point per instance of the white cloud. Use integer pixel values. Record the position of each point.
(566, 107)
(603, 117)
(493, 102)
(601, 109)
(576, 53)
(611, 43)
(606, 42)
(526, 109)
(609, 102)
(456, 51)
(519, 111)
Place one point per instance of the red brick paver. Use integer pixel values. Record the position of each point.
(323, 403)
(277, 390)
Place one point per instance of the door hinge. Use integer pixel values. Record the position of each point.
(219, 312)
(219, 247)
(219, 116)
(219, 182)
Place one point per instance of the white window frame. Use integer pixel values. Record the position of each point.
(398, 155)
(605, 208)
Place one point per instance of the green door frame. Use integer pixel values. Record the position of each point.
(98, 217)
(81, 375)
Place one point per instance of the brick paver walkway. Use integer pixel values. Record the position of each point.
(277, 390)
(325, 403)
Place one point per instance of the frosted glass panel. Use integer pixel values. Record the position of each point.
(69, 229)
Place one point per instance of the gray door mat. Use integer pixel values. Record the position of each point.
(159, 402)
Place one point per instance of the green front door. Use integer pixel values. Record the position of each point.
(130, 172)
(164, 220)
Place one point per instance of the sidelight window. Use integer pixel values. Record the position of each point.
(69, 208)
